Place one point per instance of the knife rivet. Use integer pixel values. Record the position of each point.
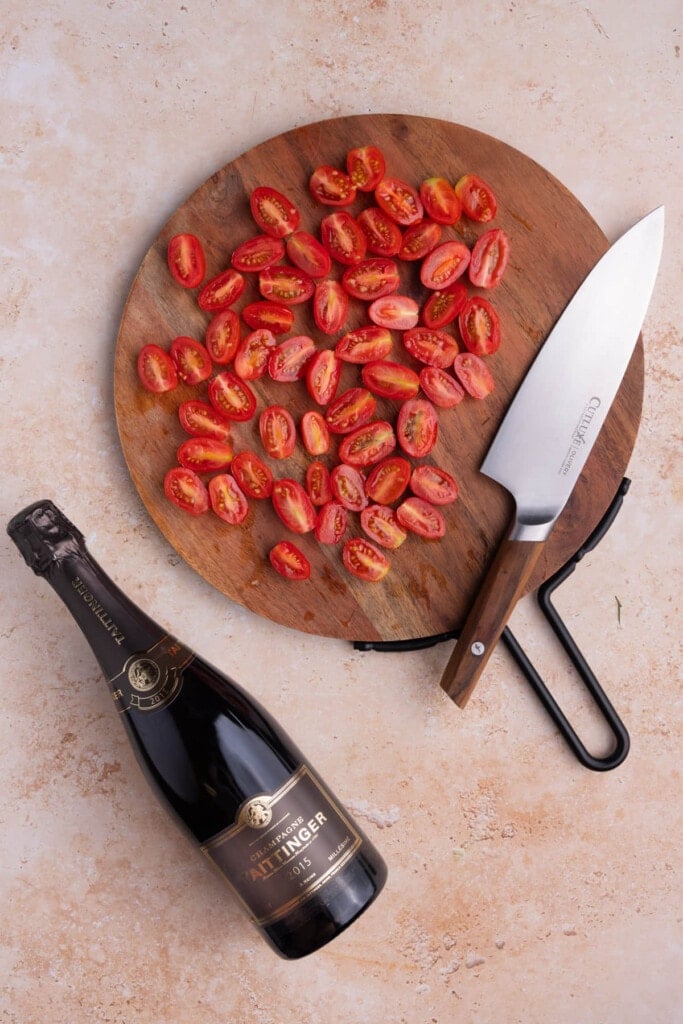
(477, 648)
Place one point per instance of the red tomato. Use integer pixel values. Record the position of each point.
(270, 316)
(331, 186)
(371, 279)
(364, 345)
(421, 517)
(227, 499)
(343, 238)
(277, 430)
(201, 420)
(440, 201)
(308, 254)
(205, 454)
(323, 373)
(440, 387)
(399, 200)
(273, 212)
(318, 483)
(382, 526)
(252, 474)
(477, 198)
(221, 291)
(433, 484)
(184, 488)
(366, 166)
(330, 306)
(351, 409)
(473, 374)
(364, 560)
(444, 265)
(420, 239)
(331, 523)
(390, 380)
(156, 369)
(192, 361)
(382, 234)
(347, 487)
(396, 312)
(293, 506)
(417, 427)
(231, 396)
(479, 326)
(285, 284)
(186, 260)
(431, 346)
(223, 336)
(289, 561)
(490, 257)
(315, 433)
(388, 480)
(368, 444)
(253, 353)
(442, 307)
(288, 360)
(257, 253)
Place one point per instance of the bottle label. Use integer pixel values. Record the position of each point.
(284, 847)
(151, 680)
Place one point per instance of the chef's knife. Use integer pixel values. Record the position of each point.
(551, 426)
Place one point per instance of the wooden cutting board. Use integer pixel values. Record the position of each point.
(554, 243)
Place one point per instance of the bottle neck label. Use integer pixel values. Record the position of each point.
(152, 679)
(284, 847)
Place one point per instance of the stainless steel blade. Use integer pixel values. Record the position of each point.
(554, 419)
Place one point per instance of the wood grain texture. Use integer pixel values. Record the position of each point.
(431, 586)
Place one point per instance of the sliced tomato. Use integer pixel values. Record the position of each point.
(331, 186)
(420, 239)
(270, 316)
(289, 561)
(330, 306)
(201, 420)
(434, 484)
(278, 432)
(443, 305)
(289, 359)
(253, 353)
(205, 454)
(440, 387)
(444, 265)
(399, 200)
(231, 396)
(395, 312)
(308, 254)
(479, 326)
(318, 483)
(473, 374)
(365, 166)
(185, 489)
(293, 506)
(477, 198)
(490, 257)
(223, 336)
(351, 409)
(343, 238)
(315, 433)
(371, 279)
(274, 213)
(192, 361)
(431, 346)
(364, 345)
(331, 523)
(364, 560)
(421, 517)
(257, 253)
(368, 444)
(323, 373)
(390, 380)
(347, 487)
(388, 480)
(382, 234)
(252, 474)
(156, 369)
(221, 291)
(228, 500)
(186, 260)
(417, 427)
(382, 526)
(440, 201)
(288, 285)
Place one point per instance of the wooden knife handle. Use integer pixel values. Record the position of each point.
(504, 582)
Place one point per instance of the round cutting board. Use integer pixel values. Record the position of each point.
(431, 584)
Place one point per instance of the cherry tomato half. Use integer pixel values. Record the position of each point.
(288, 360)
(370, 279)
(395, 312)
(330, 306)
(288, 285)
(368, 444)
(231, 396)
(289, 561)
(364, 560)
(390, 380)
(440, 201)
(228, 500)
(417, 427)
(156, 369)
(431, 346)
(364, 345)
(442, 306)
(473, 374)
(323, 373)
(343, 238)
(440, 387)
(420, 239)
(192, 361)
(257, 253)
(347, 487)
(351, 409)
(444, 265)
(318, 483)
(477, 198)
(253, 353)
(274, 213)
(184, 488)
(201, 420)
(315, 433)
(382, 526)
(186, 260)
(399, 200)
(271, 316)
(388, 480)
(433, 484)
(252, 474)
(223, 336)
(307, 253)
(331, 523)
(205, 454)
(382, 234)
(278, 432)
(479, 326)
(365, 166)
(331, 186)
(421, 517)
(490, 257)
(293, 506)
(221, 291)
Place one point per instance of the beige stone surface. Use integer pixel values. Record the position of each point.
(523, 889)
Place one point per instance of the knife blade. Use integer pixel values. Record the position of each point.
(548, 432)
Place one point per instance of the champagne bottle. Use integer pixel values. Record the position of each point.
(228, 773)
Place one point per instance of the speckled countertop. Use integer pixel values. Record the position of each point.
(523, 889)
